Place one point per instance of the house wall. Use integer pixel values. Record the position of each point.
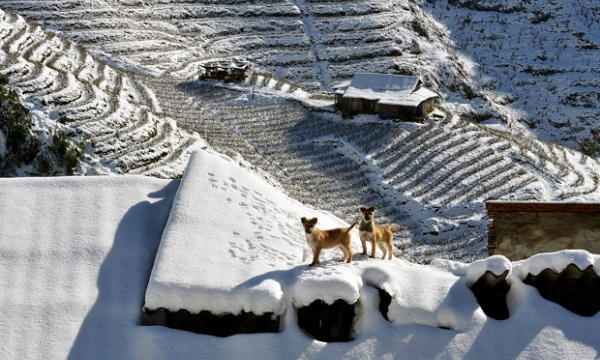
(387, 110)
(520, 230)
(350, 104)
(384, 110)
(426, 107)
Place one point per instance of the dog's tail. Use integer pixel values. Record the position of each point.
(351, 226)
(393, 228)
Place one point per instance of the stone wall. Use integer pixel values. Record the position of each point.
(518, 230)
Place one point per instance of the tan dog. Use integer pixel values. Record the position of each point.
(327, 239)
(377, 235)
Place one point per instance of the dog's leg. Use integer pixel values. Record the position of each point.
(342, 247)
(373, 247)
(390, 240)
(316, 253)
(363, 240)
(348, 251)
(384, 250)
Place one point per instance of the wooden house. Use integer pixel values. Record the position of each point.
(389, 96)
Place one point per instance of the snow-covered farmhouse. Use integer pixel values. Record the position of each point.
(390, 96)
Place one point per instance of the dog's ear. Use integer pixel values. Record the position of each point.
(303, 220)
(372, 208)
(362, 209)
(314, 220)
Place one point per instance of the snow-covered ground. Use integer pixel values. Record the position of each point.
(76, 255)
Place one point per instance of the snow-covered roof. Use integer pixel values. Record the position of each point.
(228, 228)
(76, 254)
(385, 82)
(214, 247)
(386, 89)
(226, 64)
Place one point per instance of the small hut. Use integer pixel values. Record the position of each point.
(230, 71)
(389, 96)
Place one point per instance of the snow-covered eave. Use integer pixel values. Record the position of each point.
(342, 85)
(372, 94)
(557, 262)
(410, 100)
(395, 98)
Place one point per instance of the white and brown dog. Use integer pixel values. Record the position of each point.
(378, 235)
(327, 239)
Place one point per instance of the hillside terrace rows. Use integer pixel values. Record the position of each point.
(99, 103)
(449, 154)
(550, 161)
(285, 37)
(540, 79)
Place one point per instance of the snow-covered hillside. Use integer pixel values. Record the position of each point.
(532, 63)
(535, 62)
(123, 75)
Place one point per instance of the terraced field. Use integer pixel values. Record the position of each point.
(531, 65)
(104, 105)
(311, 43)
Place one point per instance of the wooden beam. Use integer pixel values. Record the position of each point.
(505, 206)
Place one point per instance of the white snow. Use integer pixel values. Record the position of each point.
(327, 283)
(76, 255)
(556, 261)
(496, 264)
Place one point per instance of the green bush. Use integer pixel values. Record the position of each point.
(67, 151)
(22, 146)
(591, 145)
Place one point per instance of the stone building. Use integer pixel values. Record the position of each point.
(519, 230)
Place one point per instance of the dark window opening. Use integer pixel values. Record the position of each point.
(329, 323)
(574, 289)
(490, 291)
(207, 323)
